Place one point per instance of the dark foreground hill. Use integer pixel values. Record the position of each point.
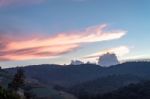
(33, 87)
(132, 91)
(104, 84)
(71, 75)
(86, 79)
(62, 75)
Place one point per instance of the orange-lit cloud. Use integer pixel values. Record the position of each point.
(34, 53)
(12, 48)
(119, 51)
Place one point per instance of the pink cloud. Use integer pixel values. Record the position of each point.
(50, 46)
(34, 53)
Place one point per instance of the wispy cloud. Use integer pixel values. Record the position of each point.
(22, 48)
(119, 51)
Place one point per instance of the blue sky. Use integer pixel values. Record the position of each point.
(48, 18)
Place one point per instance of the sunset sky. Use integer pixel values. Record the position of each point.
(57, 31)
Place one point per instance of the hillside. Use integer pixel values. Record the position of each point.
(132, 91)
(104, 84)
(71, 75)
(36, 88)
(62, 75)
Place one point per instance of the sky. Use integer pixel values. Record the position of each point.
(57, 31)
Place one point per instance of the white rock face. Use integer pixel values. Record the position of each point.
(108, 59)
(76, 62)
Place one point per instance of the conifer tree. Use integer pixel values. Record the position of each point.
(18, 80)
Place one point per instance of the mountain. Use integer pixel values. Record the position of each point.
(132, 91)
(108, 59)
(76, 62)
(85, 79)
(104, 84)
(70, 75)
(60, 74)
(37, 88)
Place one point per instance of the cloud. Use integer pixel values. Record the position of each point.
(14, 2)
(33, 53)
(39, 46)
(119, 51)
(143, 57)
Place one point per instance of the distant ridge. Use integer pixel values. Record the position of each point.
(68, 75)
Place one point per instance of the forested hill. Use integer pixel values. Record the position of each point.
(70, 75)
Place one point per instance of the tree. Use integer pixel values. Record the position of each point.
(4, 94)
(18, 80)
